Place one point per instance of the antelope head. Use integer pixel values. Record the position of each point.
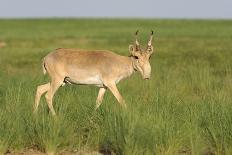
(141, 56)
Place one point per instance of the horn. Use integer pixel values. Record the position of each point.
(136, 40)
(150, 40)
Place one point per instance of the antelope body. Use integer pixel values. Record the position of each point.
(101, 68)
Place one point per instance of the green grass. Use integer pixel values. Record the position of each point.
(185, 107)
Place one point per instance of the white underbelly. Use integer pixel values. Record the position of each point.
(91, 80)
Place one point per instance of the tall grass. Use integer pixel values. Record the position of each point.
(184, 109)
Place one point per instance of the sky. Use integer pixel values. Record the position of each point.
(197, 9)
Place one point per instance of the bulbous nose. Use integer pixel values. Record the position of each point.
(146, 77)
(146, 71)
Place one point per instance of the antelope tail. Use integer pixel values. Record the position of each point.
(44, 67)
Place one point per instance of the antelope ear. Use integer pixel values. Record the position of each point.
(150, 49)
(131, 49)
(133, 52)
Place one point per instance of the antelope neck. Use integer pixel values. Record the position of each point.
(133, 61)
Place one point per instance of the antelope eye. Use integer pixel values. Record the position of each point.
(136, 57)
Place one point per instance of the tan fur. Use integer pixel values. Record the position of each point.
(101, 68)
(2, 44)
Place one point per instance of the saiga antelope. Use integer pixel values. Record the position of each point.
(101, 68)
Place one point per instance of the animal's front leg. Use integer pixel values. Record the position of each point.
(113, 88)
(100, 97)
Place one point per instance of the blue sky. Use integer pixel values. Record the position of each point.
(117, 8)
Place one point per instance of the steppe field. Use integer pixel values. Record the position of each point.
(184, 109)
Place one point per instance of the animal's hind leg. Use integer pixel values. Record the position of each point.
(55, 84)
(39, 92)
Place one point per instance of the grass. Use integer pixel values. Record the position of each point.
(184, 109)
